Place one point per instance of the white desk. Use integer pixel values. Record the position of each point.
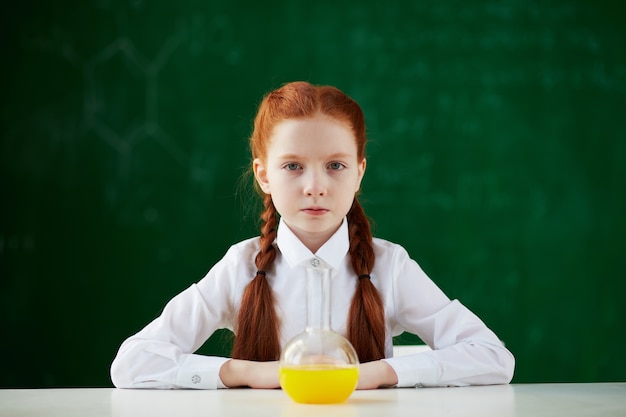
(571, 400)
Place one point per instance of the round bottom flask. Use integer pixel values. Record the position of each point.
(318, 366)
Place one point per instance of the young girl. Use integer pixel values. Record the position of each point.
(308, 150)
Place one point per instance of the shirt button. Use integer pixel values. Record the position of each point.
(315, 262)
(196, 379)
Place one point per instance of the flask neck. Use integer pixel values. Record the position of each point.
(318, 298)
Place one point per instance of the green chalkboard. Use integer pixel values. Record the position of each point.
(497, 158)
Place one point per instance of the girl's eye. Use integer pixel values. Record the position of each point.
(292, 166)
(336, 166)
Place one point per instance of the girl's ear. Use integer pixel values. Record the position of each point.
(260, 174)
(361, 172)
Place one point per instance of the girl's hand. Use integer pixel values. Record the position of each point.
(241, 373)
(376, 374)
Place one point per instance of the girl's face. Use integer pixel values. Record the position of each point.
(312, 173)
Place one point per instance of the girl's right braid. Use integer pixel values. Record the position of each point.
(265, 258)
(257, 324)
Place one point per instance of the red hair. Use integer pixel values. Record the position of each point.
(257, 325)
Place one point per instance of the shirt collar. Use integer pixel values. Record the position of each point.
(332, 252)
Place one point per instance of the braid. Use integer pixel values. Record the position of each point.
(366, 318)
(257, 322)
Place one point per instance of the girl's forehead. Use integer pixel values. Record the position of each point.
(317, 121)
(312, 132)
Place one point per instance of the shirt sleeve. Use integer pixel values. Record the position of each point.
(465, 351)
(161, 354)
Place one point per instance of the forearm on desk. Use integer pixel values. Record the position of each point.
(242, 373)
(376, 374)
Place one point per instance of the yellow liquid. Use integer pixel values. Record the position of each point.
(319, 384)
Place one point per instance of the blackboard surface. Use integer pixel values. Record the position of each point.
(497, 158)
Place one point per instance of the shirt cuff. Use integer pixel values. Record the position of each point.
(200, 372)
(414, 370)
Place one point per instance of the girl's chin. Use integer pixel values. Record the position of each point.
(313, 227)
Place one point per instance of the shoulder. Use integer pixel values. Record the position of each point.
(243, 253)
(235, 268)
(385, 248)
(393, 258)
(245, 248)
(238, 258)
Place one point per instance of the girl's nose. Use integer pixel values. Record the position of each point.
(315, 185)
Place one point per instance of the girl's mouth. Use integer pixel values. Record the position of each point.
(315, 211)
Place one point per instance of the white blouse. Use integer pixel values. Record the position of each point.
(465, 351)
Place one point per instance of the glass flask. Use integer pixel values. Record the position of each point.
(318, 366)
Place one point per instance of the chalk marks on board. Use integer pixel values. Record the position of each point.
(118, 96)
(120, 74)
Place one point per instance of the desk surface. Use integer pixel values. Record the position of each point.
(520, 400)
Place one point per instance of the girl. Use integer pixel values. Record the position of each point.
(308, 150)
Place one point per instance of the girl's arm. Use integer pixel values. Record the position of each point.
(242, 373)
(161, 355)
(465, 351)
(376, 374)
